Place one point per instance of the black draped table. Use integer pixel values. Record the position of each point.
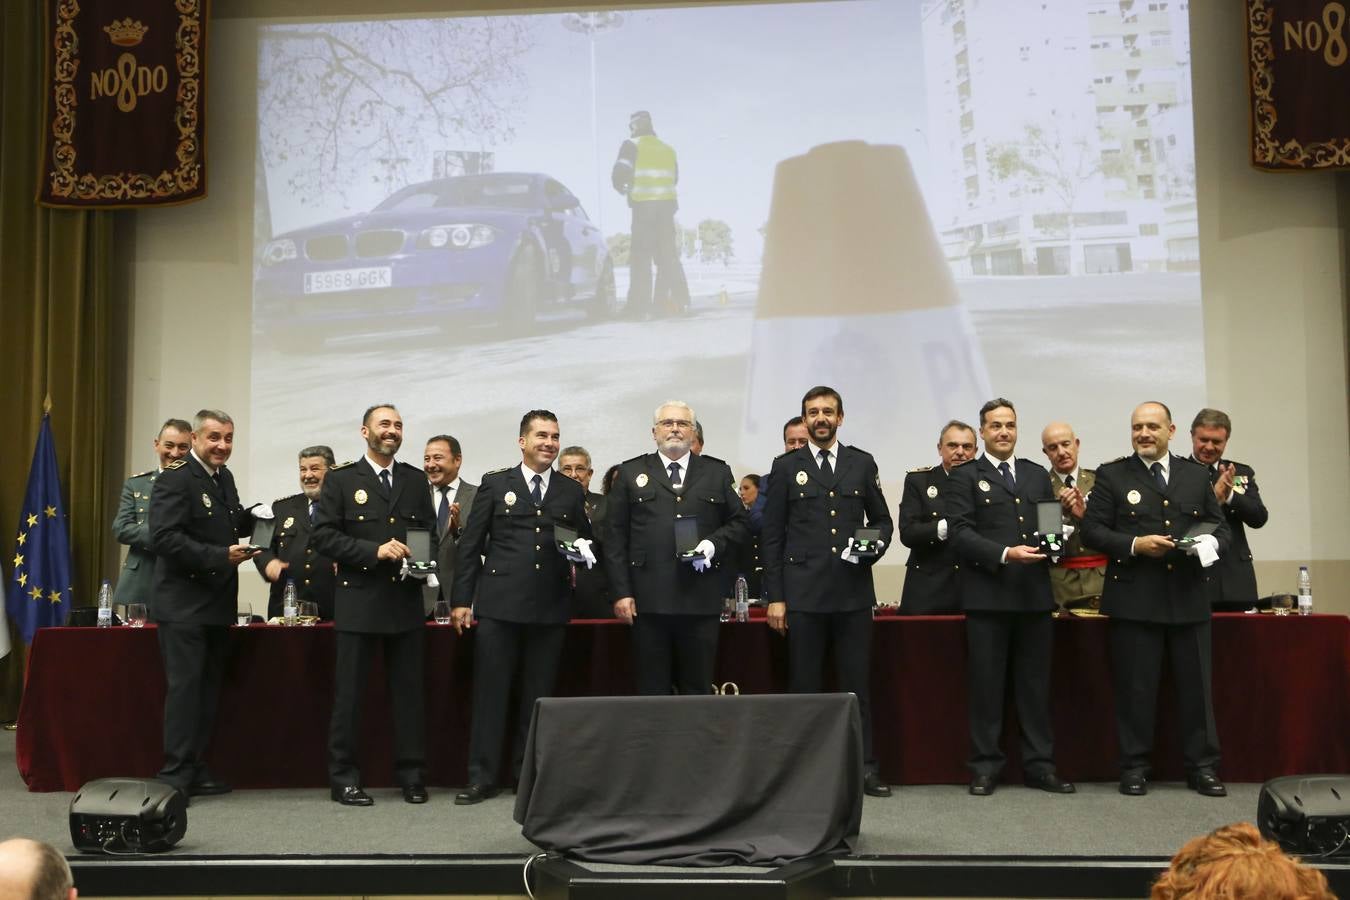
(693, 781)
(93, 700)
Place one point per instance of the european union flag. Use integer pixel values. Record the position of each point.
(39, 593)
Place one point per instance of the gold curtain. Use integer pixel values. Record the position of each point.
(62, 332)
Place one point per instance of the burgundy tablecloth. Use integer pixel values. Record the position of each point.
(93, 702)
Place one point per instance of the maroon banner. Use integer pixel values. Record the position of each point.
(1300, 83)
(126, 103)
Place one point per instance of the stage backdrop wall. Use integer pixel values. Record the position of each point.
(1273, 306)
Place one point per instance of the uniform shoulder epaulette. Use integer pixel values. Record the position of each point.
(965, 462)
(176, 464)
(920, 469)
(498, 471)
(1112, 462)
(634, 459)
(146, 474)
(1191, 462)
(288, 497)
(343, 465)
(712, 459)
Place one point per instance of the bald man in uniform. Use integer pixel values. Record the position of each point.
(1076, 577)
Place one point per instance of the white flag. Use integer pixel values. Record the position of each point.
(4, 623)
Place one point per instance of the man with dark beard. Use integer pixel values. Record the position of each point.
(291, 555)
(366, 510)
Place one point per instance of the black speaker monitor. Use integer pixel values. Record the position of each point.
(127, 815)
(1308, 815)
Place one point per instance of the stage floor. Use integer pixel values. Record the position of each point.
(941, 825)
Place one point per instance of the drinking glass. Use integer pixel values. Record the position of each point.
(244, 614)
(308, 613)
(441, 612)
(136, 615)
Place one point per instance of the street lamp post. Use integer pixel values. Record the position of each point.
(591, 24)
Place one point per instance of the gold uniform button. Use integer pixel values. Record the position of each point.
(307, 565)
(834, 549)
(1169, 567)
(834, 531)
(833, 513)
(391, 520)
(1164, 503)
(1167, 523)
(536, 567)
(679, 499)
(536, 531)
(538, 512)
(360, 518)
(1017, 499)
(831, 493)
(536, 546)
(1020, 519)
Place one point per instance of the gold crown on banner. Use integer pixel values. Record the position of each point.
(126, 33)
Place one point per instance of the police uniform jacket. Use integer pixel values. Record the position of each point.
(808, 520)
(983, 519)
(507, 552)
(930, 572)
(639, 534)
(293, 543)
(353, 520)
(1073, 585)
(194, 519)
(1236, 576)
(590, 595)
(1127, 503)
(131, 526)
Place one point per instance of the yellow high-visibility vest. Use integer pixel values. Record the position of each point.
(654, 170)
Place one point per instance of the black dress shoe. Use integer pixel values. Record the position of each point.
(475, 793)
(208, 785)
(873, 786)
(351, 795)
(1206, 783)
(1133, 784)
(1050, 783)
(415, 793)
(983, 785)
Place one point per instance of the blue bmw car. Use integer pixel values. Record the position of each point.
(501, 247)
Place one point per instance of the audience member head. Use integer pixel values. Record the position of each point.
(1209, 435)
(575, 463)
(314, 465)
(673, 428)
(998, 428)
(1235, 863)
(749, 490)
(1060, 445)
(441, 460)
(795, 434)
(32, 870)
(956, 444)
(611, 476)
(174, 441)
(697, 446)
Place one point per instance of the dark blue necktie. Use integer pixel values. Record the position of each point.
(1156, 469)
(825, 468)
(674, 474)
(312, 506)
(536, 492)
(1007, 474)
(443, 514)
(384, 480)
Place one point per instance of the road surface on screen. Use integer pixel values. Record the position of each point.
(923, 204)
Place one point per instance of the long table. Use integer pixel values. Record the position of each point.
(93, 700)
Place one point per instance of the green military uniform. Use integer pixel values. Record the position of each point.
(131, 526)
(1077, 587)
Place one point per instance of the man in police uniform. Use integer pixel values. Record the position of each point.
(291, 556)
(672, 604)
(930, 572)
(452, 498)
(520, 594)
(366, 510)
(131, 525)
(819, 594)
(590, 594)
(1157, 595)
(1239, 497)
(1005, 591)
(646, 172)
(197, 528)
(1077, 576)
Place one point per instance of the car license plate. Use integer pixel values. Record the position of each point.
(348, 280)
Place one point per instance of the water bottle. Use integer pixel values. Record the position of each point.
(1304, 592)
(290, 607)
(742, 599)
(105, 605)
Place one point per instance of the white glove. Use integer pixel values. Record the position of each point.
(1068, 531)
(262, 511)
(705, 547)
(942, 529)
(847, 556)
(1206, 549)
(583, 546)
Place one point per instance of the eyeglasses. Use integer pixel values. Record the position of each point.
(675, 423)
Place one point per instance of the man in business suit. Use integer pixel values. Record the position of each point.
(521, 594)
(131, 525)
(366, 509)
(819, 594)
(197, 526)
(452, 497)
(930, 572)
(590, 595)
(1157, 595)
(1005, 591)
(1234, 588)
(291, 555)
(1077, 576)
(673, 604)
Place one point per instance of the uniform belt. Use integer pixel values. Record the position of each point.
(1083, 562)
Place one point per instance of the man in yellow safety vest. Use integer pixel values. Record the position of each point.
(646, 172)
